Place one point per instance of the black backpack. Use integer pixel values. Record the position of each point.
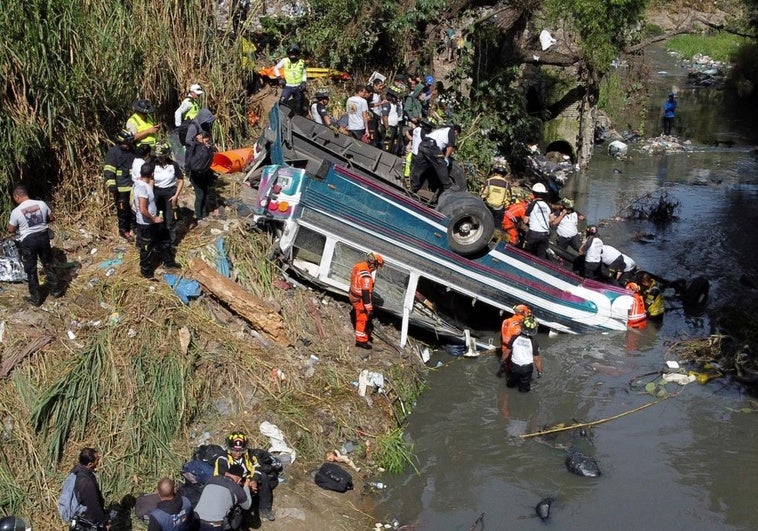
(333, 477)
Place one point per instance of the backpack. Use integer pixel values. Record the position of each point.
(333, 477)
(197, 471)
(209, 453)
(68, 502)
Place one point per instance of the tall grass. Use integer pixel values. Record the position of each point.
(719, 46)
(71, 69)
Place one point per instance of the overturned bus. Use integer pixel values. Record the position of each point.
(331, 199)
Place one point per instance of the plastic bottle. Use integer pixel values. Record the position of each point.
(377, 485)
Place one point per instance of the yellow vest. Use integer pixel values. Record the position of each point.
(293, 72)
(497, 192)
(142, 125)
(193, 110)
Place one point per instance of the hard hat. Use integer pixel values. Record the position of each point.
(321, 94)
(633, 286)
(567, 203)
(162, 149)
(429, 80)
(375, 258)
(499, 165)
(539, 188)
(529, 326)
(12, 523)
(197, 89)
(124, 137)
(522, 309)
(293, 50)
(237, 441)
(591, 229)
(143, 106)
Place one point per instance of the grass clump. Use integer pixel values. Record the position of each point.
(393, 453)
(718, 46)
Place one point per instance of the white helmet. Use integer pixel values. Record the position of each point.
(539, 188)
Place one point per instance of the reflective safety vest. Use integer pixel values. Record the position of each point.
(653, 299)
(193, 110)
(510, 328)
(497, 192)
(143, 125)
(293, 72)
(637, 314)
(361, 281)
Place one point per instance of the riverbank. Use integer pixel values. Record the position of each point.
(163, 377)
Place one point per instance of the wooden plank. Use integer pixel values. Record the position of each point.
(255, 311)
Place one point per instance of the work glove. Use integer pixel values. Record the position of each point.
(282, 82)
(302, 85)
(447, 162)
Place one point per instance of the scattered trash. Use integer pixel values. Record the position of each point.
(93, 251)
(11, 268)
(222, 262)
(617, 149)
(119, 260)
(671, 364)
(376, 484)
(425, 355)
(678, 378)
(131, 333)
(110, 272)
(546, 40)
(2, 331)
(71, 335)
(114, 318)
(278, 375)
(369, 378)
(276, 441)
(582, 465)
(471, 351)
(185, 288)
(543, 508)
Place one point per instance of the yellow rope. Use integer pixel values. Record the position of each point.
(596, 422)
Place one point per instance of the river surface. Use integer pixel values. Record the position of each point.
(688, 462)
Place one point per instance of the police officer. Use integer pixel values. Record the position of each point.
(142, 125)
(292, 76)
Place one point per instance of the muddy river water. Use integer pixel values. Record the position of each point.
(689, 462)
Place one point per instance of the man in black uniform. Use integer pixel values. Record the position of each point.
(118, 180)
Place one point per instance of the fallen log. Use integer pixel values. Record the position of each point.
(255, 311)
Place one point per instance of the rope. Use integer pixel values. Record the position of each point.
(596, 422)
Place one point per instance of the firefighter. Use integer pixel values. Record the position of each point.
(361, 296)
(497, 190)
(637, 313)
(512, 218)
(116, 172)
(510, 328)
(652, 295)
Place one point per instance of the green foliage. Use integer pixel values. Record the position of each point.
(71, 71)
(393, 453)
(604, 26)
(720, 46)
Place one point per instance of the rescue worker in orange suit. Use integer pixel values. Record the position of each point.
(637, 314)
(512, 218)
(361, 296)
(510, 328)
